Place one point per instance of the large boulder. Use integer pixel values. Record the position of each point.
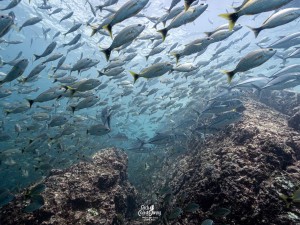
(286, 102)
(243, 169)
(95, 192)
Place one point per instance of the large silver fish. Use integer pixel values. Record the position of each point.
(127, 35)
(6, 22)
(12, 4)
(17, 71)
(184, 18)
(129, 9)
(31, 21)
(253, 7)
(50, 48)
(280, 18)
(250, 61)
(155, 70)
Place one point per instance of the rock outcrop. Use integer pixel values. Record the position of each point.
(244, 168)
(294, 122)
(89, 193)
(286, 102)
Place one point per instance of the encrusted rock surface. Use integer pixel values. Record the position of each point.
(286, 102)
(89, 193)
(294, 122)
(244, 169)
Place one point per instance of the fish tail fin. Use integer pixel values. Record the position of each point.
(259, 91)
(108, 27)
(256, 31)
(7, 112)
(94, 31)
(232, 17)
(164, 33)
(236, 8)
(186, 6)
(177, 56)
(284, 59)
(229, 74)
(36, 57)
(260, 46)
(12, 14)
(72, 90)
(208, 34)
(107, 53)
(135, 76)
(30, 101)
(73, 108)
(100, 73)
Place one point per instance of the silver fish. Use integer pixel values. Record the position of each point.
(73, 41)
(31, 22)
(49, 49)
(129, 9)
(66, 16)
(281, 17)
(6, 22)
(12, 4)
(184, 18)
(127, 35)
(250, 61)
(17, 71)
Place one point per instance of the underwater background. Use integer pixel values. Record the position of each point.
(168, 106)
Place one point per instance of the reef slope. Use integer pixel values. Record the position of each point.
(243, 169)
(95, 192)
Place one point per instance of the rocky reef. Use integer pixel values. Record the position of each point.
(95, 192)
(243, 169)
(286, 102)
(236, 176)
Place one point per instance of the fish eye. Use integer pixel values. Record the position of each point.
(271, 49)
